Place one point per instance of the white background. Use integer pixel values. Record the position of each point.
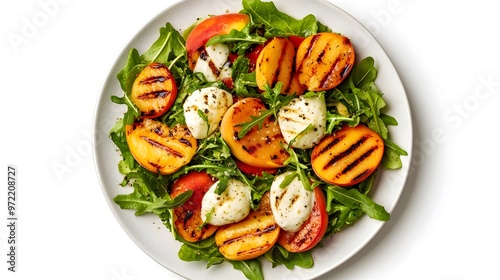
(446, 225)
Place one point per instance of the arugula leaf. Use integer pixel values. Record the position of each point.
(152, 204)
(168, 48)
(252, 269)
(240, 40)
(392, 155)
(294, 161)
(275, 100)
(341, 217)
(205, 250)
(279, 23)
(333, 120)
(364, 73)
(129, 72)
(189, 83)
(118, 138)
(354, 199)
(279, 255)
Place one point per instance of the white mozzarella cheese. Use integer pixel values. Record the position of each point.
(297, 115)
(291, 205)
(214, 63)
(232, 206)
(213, 102)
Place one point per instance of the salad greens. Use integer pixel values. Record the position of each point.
(356, 100)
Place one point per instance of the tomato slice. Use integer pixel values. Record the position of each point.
(312, 231)
(252, 170)
(187, 217)
(252, 55)
(296, 40)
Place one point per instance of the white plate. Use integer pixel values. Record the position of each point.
(148, 232)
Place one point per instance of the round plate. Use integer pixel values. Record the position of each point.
(155, 240)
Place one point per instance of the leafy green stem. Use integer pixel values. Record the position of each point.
(162, 47)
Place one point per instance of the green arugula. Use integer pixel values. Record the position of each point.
(141, 204)
(278, 23)
(279, 255)
(275, 101)
(238, 40)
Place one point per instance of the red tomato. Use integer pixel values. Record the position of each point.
(312, 231)
(252, 55)
(228, 82)
(210, 27)
(296, 40)
(187, 217)
(252, 170)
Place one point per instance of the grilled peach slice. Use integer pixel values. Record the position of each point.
(210, 27)
(187, 217)
(260, 147)
(349, 156)
(159, 148)
(324, 60)
(276, 64)
(154, 90)
(251, 237)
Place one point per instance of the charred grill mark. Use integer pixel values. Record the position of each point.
(203, 54)
(214, 68)
(279, 198)
(314, 39)
(156, 65)
(154, 94)
(330, 145)
(346, 42)
(259, 232)
(301, 237)
(163, 147)
(187, 217)
(156, 166)
(360, 175)
(345, 153)
(278, 69)
(345, 71)
(359, 160)
(250, 149)
(185, 142)
(149, 113)
(158, 131)
(153, 79)
(235, 135)
(330, 76)
(256, 249)
(321, 55)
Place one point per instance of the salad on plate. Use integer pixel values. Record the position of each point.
(253, 136)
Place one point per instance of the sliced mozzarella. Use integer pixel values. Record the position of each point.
(232, 206)
(291, 205)
(214, 63)
(295, 117)
(213, 102)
